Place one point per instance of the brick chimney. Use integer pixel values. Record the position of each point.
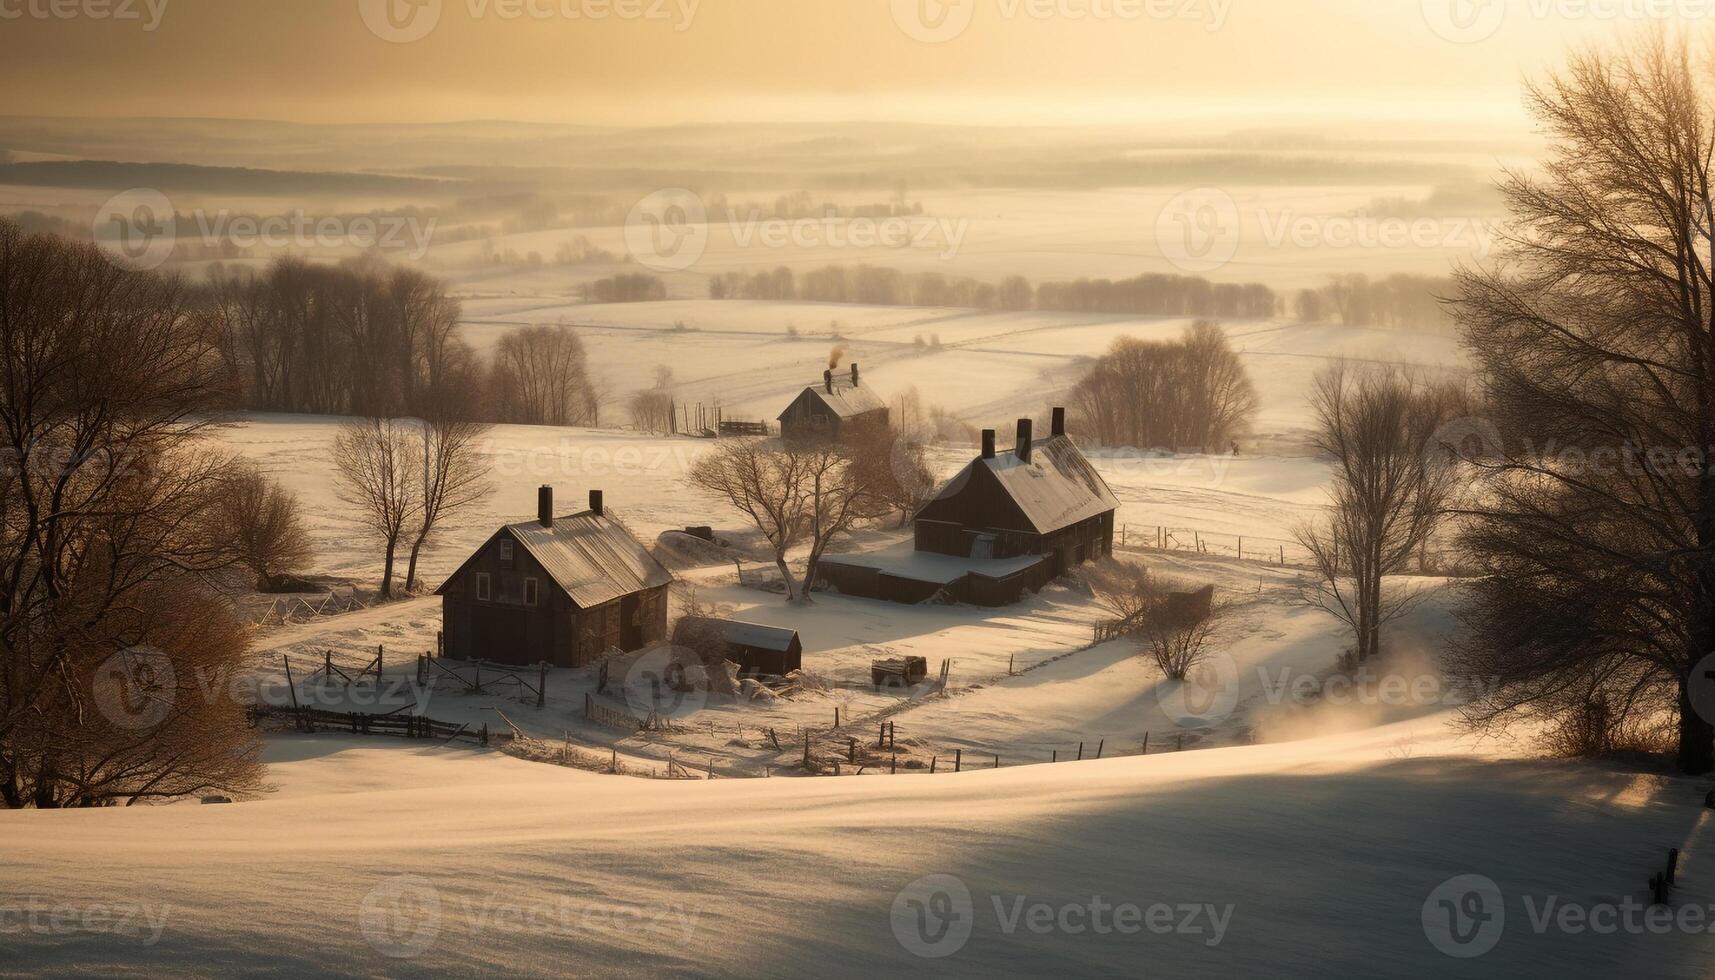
(545, 506)
(596, 507)
(1059, 421)
(988, 444)
(1022, 448)
(828, 379)
(854, 374)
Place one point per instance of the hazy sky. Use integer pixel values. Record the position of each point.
(669, 61)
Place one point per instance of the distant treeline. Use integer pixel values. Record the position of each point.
(1401, 301)
(364, 338)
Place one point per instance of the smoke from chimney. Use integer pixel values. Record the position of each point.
(836, 355)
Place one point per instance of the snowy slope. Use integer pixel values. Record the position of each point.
(1317, 859)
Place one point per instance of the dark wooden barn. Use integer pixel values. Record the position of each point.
(559, 590)
(837, 408)
(1040, 499)
(1006, 525)
(759, 651)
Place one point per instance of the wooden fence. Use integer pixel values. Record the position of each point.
(1272, 551)
(285, 610)
(397, 723)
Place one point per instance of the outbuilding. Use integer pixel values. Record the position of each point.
(759, 651)
(838, 408)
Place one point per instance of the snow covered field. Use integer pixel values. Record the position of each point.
(1227, 829)
(1318, 858)
(990, 367)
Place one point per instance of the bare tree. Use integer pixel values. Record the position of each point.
(265, 527)
(652, 410)
(1392, 485)
(452, 480)
(110, 622)
(794, 495)
(540, 377)
(1190, 394)
(766, 484)
(1176, 621)
(1181, 624)
(1596, 528)
(376, 460)
(841, 491)
(899, 476)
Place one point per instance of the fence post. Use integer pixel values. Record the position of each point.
(542, 686)
(881, 736)
(958, 760)
(380, 651)
(1100, 746)
(1080, 751)
(1145, 743)
(485, 733)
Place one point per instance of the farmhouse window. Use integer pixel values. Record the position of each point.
(530, 591)
(506, 552)
(484, 591)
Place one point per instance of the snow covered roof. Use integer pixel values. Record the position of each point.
(592, 557)
(749, 634)
(846, 400)
(904, 561)
(1056, 489)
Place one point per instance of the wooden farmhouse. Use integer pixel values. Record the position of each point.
(837, 408)
(556, 590)
(1006, 524)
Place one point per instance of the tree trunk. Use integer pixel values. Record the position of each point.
(387, 572)
(786, 577)
(411, 565)
(1696, 734)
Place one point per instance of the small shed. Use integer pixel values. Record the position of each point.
(759, 651)
(835, 409)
